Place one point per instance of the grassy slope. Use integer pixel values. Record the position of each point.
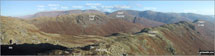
(180, 38)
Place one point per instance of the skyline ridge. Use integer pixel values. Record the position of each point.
(20, 8)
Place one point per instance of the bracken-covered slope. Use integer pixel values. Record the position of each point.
(19, 32)
(207, 31)
(171, 39)
(81, 24)
(128, 16)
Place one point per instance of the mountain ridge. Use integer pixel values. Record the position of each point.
(168, 39)
(133, 12)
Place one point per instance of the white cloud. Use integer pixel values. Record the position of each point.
(107, 6)
(64, 7)
(53, 5)
(95, 7)
(40, 6)
(77, 7)
(120, 7)
(124, 7)
(93, 4)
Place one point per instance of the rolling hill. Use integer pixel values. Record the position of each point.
(92, 32)
(166, 17)
(81, 24)
(170, 39)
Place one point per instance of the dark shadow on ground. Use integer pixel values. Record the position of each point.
(29, 49)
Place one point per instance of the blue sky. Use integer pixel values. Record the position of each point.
(21, 8)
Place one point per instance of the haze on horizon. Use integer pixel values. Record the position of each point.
(22, 8)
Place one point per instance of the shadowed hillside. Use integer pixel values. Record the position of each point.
(29, 49)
